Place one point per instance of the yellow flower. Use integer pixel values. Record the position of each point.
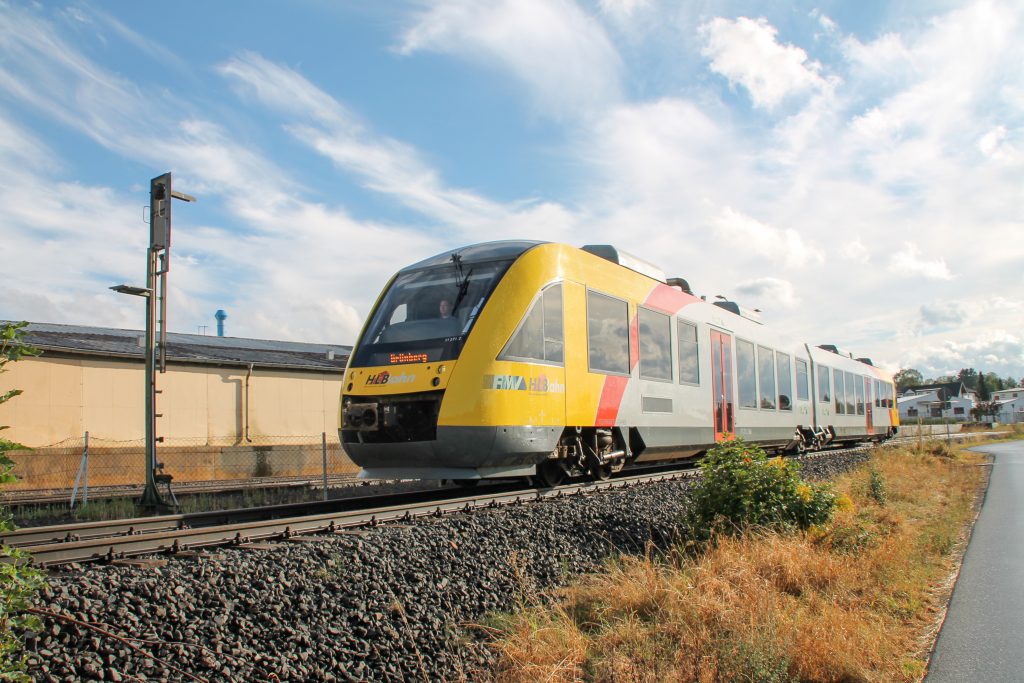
(844, 502)
(805, 493)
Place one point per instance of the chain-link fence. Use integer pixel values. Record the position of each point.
(196, 464)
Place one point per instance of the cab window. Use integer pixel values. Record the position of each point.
(539, 337)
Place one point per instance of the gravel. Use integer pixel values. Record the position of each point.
(384, 604)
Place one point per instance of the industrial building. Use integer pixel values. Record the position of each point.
(228, 407)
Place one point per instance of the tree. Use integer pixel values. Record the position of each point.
(985, 409)
(19, 581)
(907, 377)
(984, 393)
(969, 376)
(1010, 383)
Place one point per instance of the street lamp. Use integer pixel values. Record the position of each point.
(132, 289)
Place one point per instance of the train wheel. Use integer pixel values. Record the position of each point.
(601, 472)
(550, 474)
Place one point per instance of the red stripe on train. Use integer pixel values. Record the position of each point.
(663, 297)
(668, 299)
(611, 399)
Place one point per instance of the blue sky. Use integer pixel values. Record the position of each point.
(855, 170)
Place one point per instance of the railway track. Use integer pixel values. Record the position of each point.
(55, 496)
(119, 539)
(155, 536)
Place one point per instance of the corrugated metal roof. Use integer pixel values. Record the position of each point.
(189, 348)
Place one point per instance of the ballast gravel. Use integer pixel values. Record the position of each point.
(392, 603)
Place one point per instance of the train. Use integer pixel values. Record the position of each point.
(546, 361)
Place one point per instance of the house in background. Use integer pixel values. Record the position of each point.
(1011, 405)
(950, 400)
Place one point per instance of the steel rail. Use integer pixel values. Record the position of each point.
(57, 496)
(89, 550)
(78, 531)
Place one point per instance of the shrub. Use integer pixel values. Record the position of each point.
(876, 485)
(741, 488)
(19, 582)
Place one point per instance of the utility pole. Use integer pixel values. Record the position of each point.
(158, 263)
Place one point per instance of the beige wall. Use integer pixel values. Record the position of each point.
(64, 397)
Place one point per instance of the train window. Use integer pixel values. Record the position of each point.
(655, 345)
(766, 373)
(840, 388)
(539, 335)
(878, 393)
(427, 312)
(746, 374)
(554, 340)
(688, 355)
(858, 385)
(851, 395)
(803, 390)
(607, 334)
(824, 384)
(785, 381)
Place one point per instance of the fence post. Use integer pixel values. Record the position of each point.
(83, 469)
(323, 441)
(85, 457)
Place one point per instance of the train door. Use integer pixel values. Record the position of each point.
(721, 383)
(869, 402)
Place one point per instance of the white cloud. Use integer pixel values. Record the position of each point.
(747, 53)
(993, 350)
(991, 143)
(907, 263)
(856, 251)
(749, 235)
(623, 9)
(385, 165)
(562, 55)
(769, 292)
(943, 313)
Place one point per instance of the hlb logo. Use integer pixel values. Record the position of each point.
(385, 377)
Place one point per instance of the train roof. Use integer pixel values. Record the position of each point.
(476, 253)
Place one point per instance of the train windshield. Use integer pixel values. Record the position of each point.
(427, 314)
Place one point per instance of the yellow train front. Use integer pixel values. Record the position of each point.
(533, 359)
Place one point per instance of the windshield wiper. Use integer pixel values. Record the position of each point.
(463, 288)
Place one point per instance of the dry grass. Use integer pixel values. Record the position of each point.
(856, 601)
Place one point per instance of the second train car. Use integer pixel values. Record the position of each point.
(543, 360)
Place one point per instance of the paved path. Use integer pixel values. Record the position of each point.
(983, 637)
